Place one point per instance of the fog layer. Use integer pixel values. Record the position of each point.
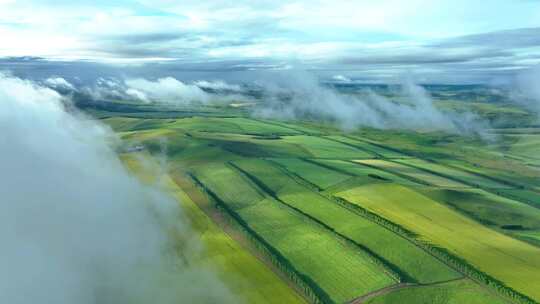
(75, 226)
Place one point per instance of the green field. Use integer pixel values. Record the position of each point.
(317, 175)
(312, 249)
(489, 209)
(320, 147)
(416, 174)
(264, 198)
(460, 175)
(415, 264)
(515, 263)
(369, 147)
(456, 292)
(245, 275)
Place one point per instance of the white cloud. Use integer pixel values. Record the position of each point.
(308, 99)
(217, 85)
(341, 78)
(75, 226)
(168, 90)
(59, 83)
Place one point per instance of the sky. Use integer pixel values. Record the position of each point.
(363, 40)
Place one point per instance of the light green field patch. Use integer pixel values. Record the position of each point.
(221, 178)
(413, 172)
(342, 272)
(513, 262)
(237, 125)
(206, 124)
(376, 150)
(250, 126)
(364, 174)
(317, 175)
(324, 148)
(527, 145)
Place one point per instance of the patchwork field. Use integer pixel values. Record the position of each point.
(249, 278)
(408, 261)
(313, 250)
(303, 212)
(515, 263)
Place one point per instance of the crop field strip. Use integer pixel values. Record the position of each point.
(222, 254)
(487, 208)
(424, 176)
(320, 147)
(377, 150)
(317, 253)
(462, 176)
(514, 263)
(469, 175)
(486, 298)
(413, 264)
(320, 177)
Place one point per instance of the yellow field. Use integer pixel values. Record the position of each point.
(515, 263)
(245, 275)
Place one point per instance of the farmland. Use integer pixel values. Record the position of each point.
(244, 274)
(302, 212)
(513, 262)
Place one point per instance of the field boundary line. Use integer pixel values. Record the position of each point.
(387, 267)
(442, 254)
(312, 290)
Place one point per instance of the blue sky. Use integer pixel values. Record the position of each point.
(436, 39)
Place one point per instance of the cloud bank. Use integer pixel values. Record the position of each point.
(167, 90)
(299, 95)
(75, 226)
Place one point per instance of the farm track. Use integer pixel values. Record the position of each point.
(393, 288)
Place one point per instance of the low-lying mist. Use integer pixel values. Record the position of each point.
(294, 94)
(528, 89)
(166, 90)
(75, 226)
(300, 95)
